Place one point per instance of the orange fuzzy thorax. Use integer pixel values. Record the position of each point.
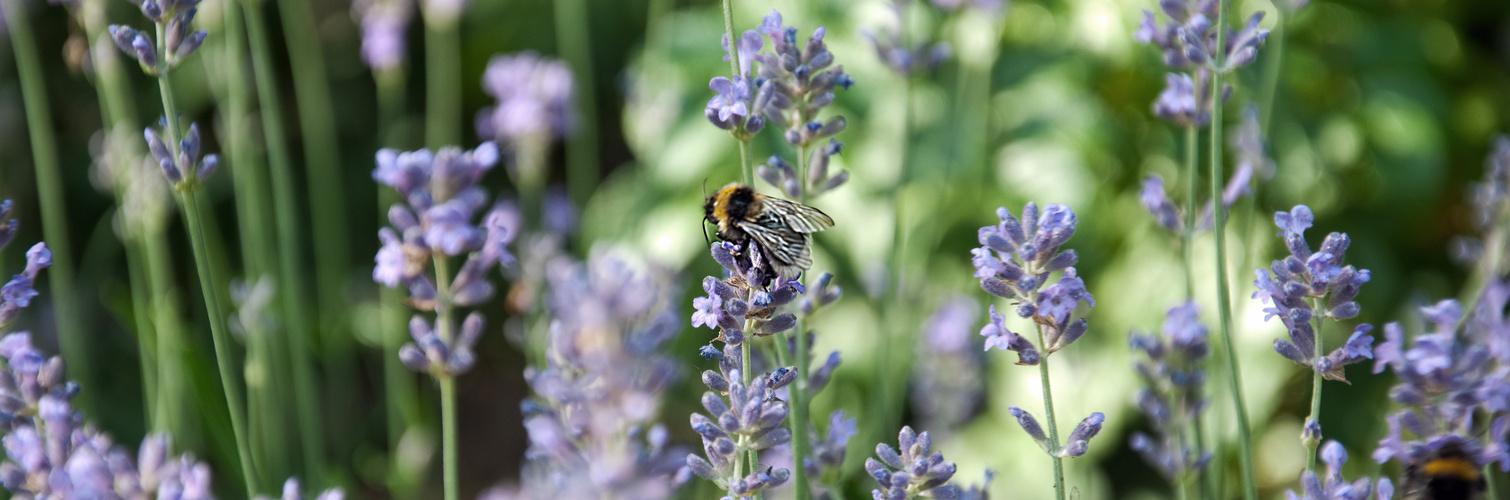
(1452, 467)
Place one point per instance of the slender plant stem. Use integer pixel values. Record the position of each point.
(328, 224)
(1274, 52)
(141, 310)
(443, 315)
(170, 351)
(799, 417)
(1048, 410)
(403, 407)
(205, 266)
(285, 212)
(1192, 165)
(44, 152)
(219, 334)
(1223, 293)
(745, 164)
(1490, 488)
(1318, 352)
(442, 81)
(574, 37)
(1206, 479)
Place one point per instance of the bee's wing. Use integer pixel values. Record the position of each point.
(803, 218)
(786, 249)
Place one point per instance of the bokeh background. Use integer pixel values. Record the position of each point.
(1384, 113)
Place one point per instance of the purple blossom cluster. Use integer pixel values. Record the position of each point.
(1490, 200)
(827, 452)
(20, 290)
(383, 24)
(913, 471)
(185, 163)
(433, 224)
(534, 99)
(1015, 261)
(1307, 286)
(1248, 142)
(291, 491)
(174, 17)
(1075, 445)
(793, 83)
(740, 301)
(1450, 378)
(946, 377)
(922, 57)
(592, 423)
(780, 174)
(1173, 375)
(51, 453)
(1188, 42)
(740, 418)
(1333, 487)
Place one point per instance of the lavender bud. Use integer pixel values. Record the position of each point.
(145, 53)
(1029, 424)
(190, 44)
(123, 36)
(152, 10)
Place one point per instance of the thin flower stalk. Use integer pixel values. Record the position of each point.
(177, 152)
(44, 151)
(745, 165)
(1014, 262)
(295, 300)
(574, 36)
(327, 222)
(442, 71)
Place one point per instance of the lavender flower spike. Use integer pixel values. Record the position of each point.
(1333, 487)
(534, 99)
(912, 470)
(291, 491)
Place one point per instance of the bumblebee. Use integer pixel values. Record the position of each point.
(1446, 474)
(778, 227)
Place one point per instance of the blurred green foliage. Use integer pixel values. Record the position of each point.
(1384, 112)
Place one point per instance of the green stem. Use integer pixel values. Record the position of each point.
(218, 333)
(745, 164)
(265, 396)
(285, 212)
(403, 401)
(447, 382)
(1318, 352)
(1274, 52)
(1192, 164)
(44, 150)
(442, 81)
(1223, 293)
(141, 307)
(1048, 410)
(747, 375)
(159, 265)
(799, 417)
(1491, 489)
(328, 224)
(573, 36)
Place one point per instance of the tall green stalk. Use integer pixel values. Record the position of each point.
(573, 36)
(442, 80)
(1311, 444)
(799, 418)
(285, 212)
(443, 315)
(1274, 53)
(44, 152)
(1048, 410)
(203, 260)
(1223, 293)
(266, 396)
(328, 222)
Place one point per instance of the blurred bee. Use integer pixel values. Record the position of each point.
(779, 227)
(1446, 474)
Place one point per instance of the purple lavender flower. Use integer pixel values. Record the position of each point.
(1172, 375)
(184, 166)
(827, 457)
(173, 17)
(442, 200)
(56, 455)
(437, 355)
(921, 58)
(750, 43)
(1188, 40)
(795, 82)
(383, 23)
(1186, 101)
(1290, 285)
(18, 292)
(534, 97)
(591, 422)
(734, 302)
(1333, 487)
(912, 471)
(780, 174)
(750, 418)
(1445, 378)
(1015, 261)
(291, 491)
(729, 104)
(946, 378)
(1488, 197)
